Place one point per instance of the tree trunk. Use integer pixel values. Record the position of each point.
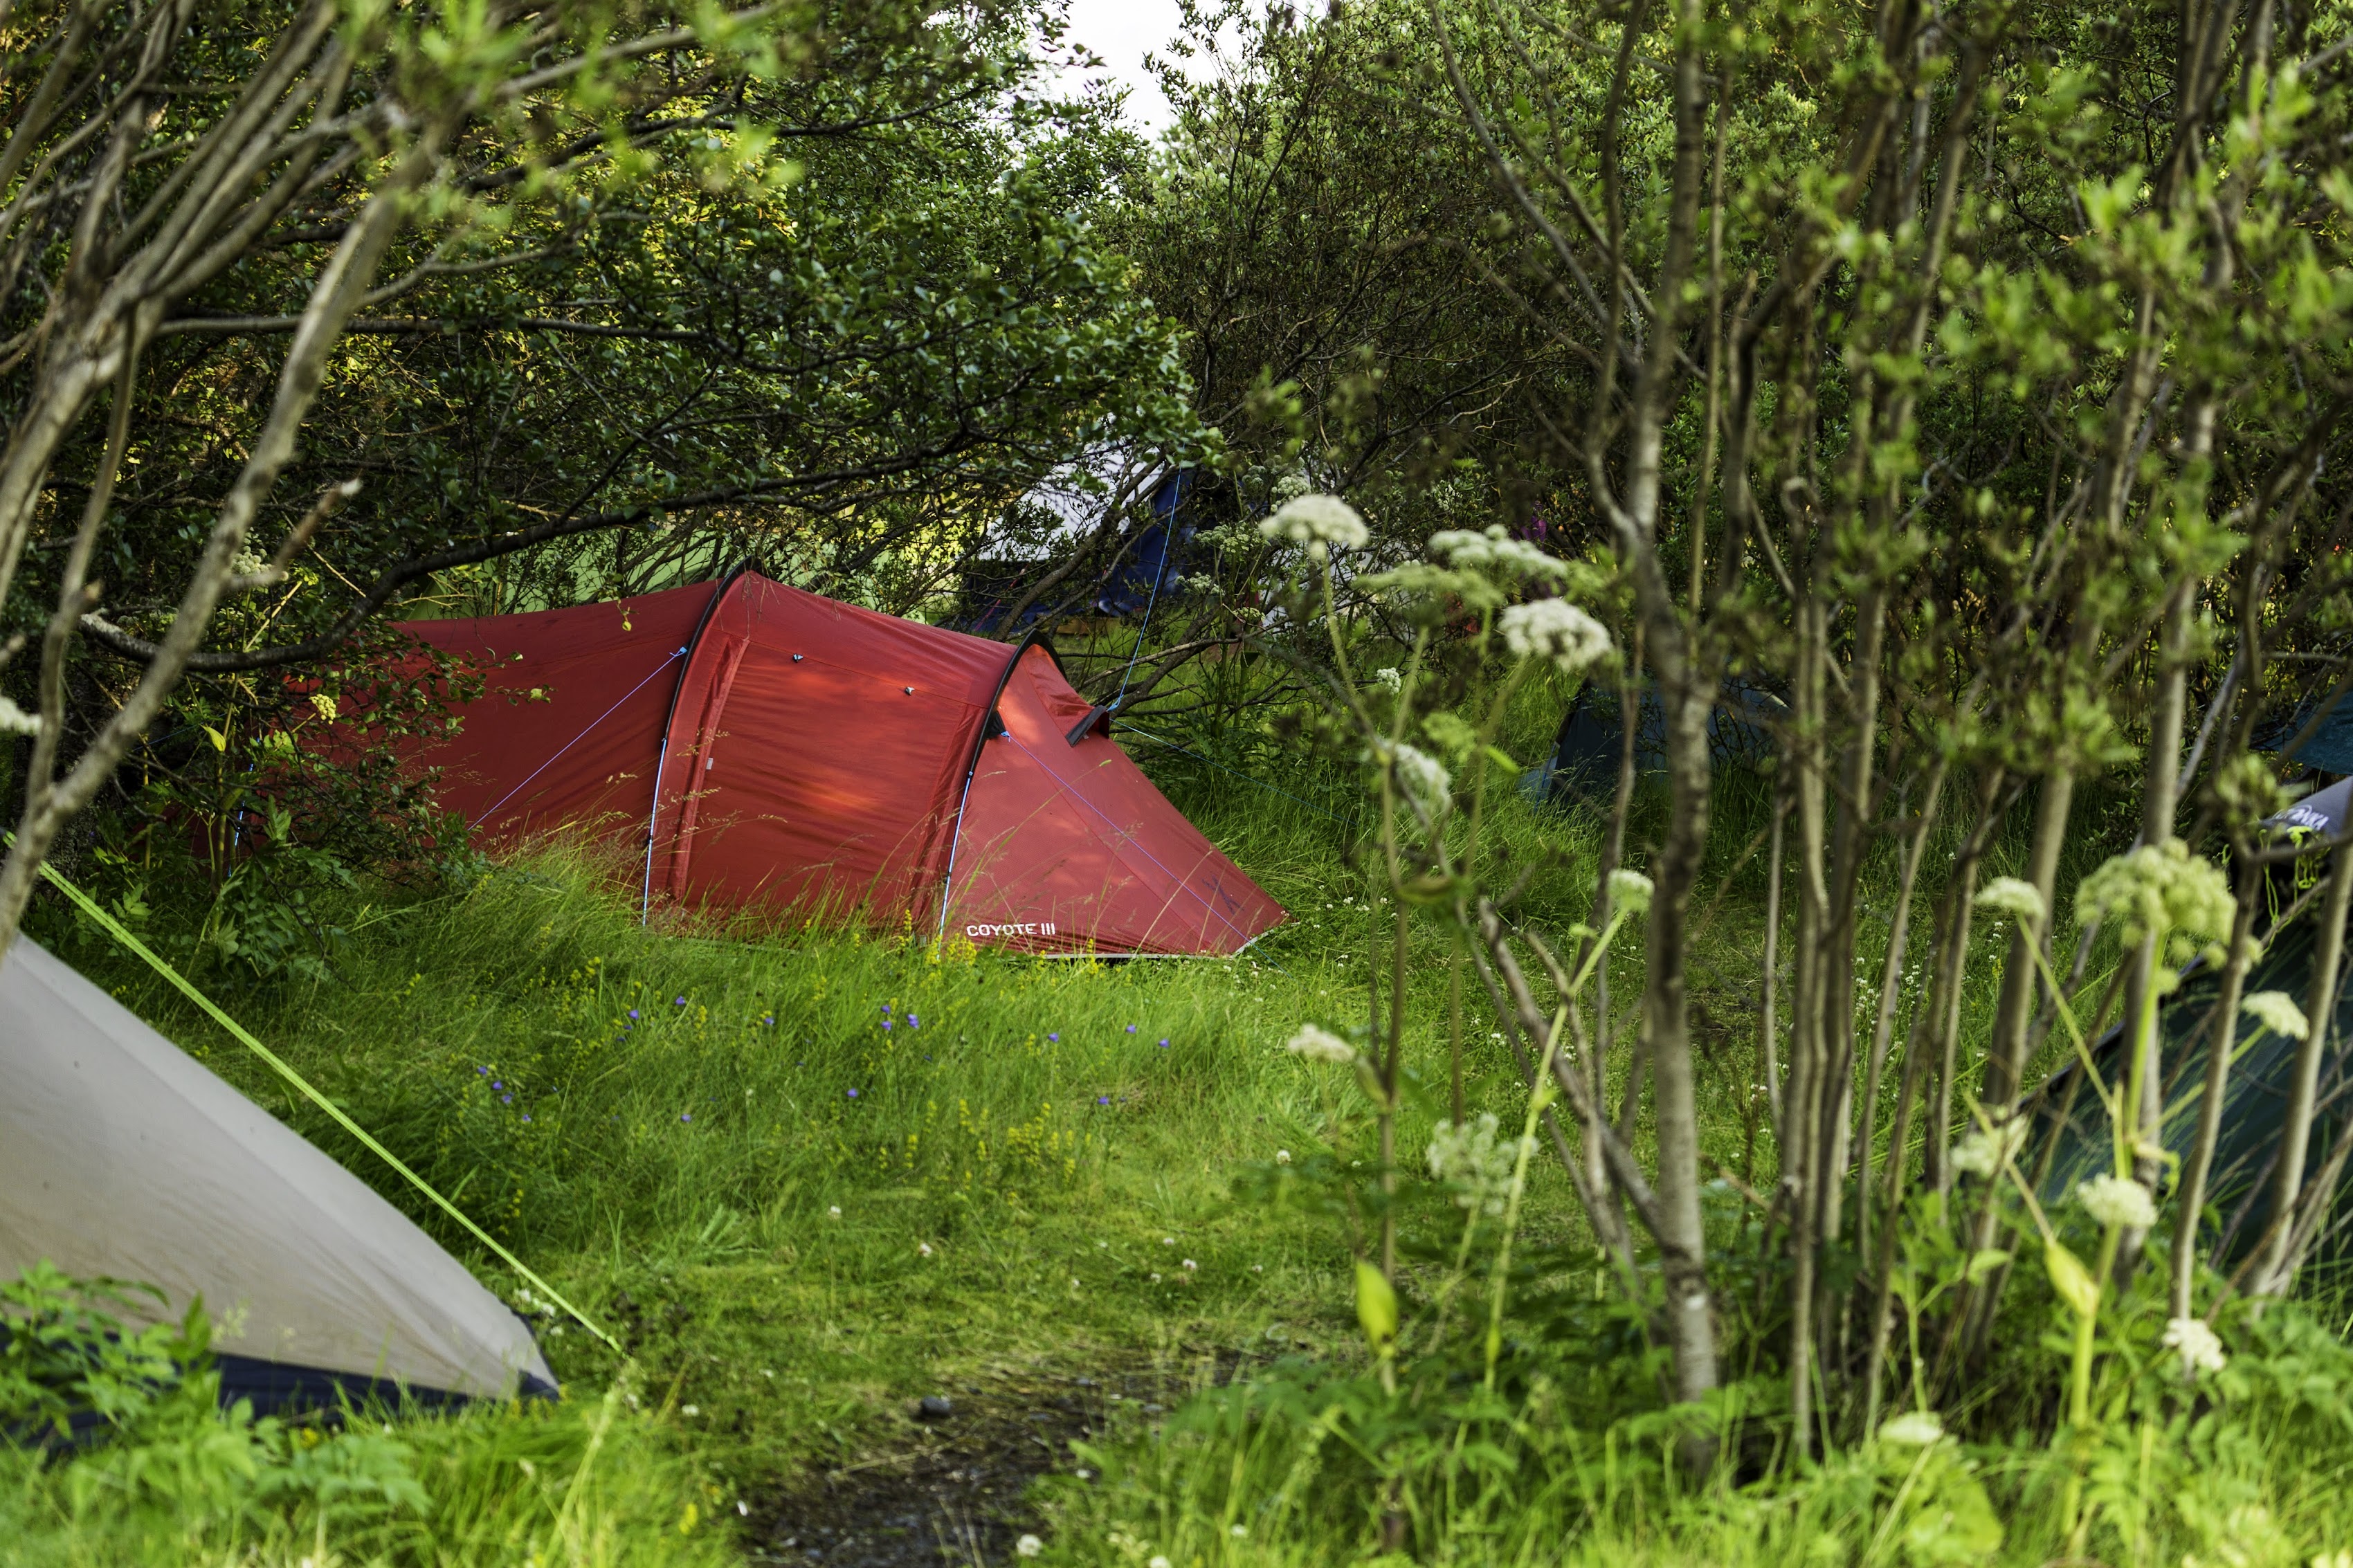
(1691, 1328)
(2005, 1062)
(2156, 827)
(2222, 1041)
(2273, 1274)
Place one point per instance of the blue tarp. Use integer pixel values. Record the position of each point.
(991, 587)
(1158, 558)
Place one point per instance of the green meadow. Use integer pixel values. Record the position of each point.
(809, 1179)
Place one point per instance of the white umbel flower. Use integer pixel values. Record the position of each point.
(1319, 522)
(2119, 1202)
(1983, 1153)
(1468, 1157)
(2013, 895)
(1320, 1046)
(2200, 1351)
(1557, 630)
(1424, 780)
(1027, 1546)
(1912, 1429)
(2159, 886)
(1493, 552)
(2279, 1013)
(1630, 891)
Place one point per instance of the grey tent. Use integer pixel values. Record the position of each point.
(122, 1157)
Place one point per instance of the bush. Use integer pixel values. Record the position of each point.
(119, 1451)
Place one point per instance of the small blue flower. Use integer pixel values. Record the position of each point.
(886, 1006)
(682, 1002)
(496, 1084)
(1103, 1100)
(771, 1018)
(526, 1116)
(1164, 1045)
(1131, 1028)
(887, 1023)
(633, 1012)
(506, 1099)
(484, 1072)
(686, 1116)
(1053, 1037)
(853, 1094)
(914, 1022)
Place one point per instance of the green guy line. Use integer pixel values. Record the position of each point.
(90, 906)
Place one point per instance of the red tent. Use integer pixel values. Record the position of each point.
(767, 746)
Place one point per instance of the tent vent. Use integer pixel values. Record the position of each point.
(911, 691)
(796, 658)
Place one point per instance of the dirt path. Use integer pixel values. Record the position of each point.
(955, 1493)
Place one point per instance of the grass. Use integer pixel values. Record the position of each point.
(806, 1177)
(590, 1481)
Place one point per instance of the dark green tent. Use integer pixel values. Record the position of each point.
(2263, 1062)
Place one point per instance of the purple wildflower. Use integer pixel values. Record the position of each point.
(484, 1072)
(633, 1012)
(1053, 1037)
(1164, 1045)
(526, 1116)
(887, 1023)
(853, 1094)
(1103, 1100)
(496, 1084)
(682, 1002)
(686, 1116)
(1131, 1028)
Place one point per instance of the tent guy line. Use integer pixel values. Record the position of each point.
(1128, 839)
(675, 656)
(1222, 767)
(115, 929)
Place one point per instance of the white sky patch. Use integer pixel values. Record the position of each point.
(1122, 32)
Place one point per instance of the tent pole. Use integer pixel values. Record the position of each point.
(989, 722)
(956, 836)
(662, 759)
